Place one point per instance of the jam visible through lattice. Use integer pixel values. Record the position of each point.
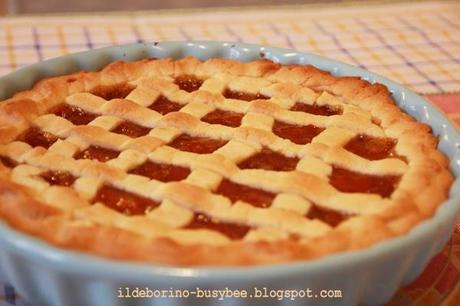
(245, 96)
(231, 230)
(161, 172)
(255, 197)
(315, 109)
(228, 118)
(131, 129)
(61, 178)
(200, 145)
(97, 153)
(38, 138)
(329, 216)
(299, 134)
(269, 160)
(74, 114)
(371, 148)
(123, 201)
(188, 83)
(164, 106)
(8, 162)
(116, 91)
(350, 181)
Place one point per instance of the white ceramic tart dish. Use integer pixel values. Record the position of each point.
(218, 165)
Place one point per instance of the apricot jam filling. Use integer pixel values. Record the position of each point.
(371, 148)
(329, 216)
(161, 172)
(299, 134)
(231, 230)
(131, 129)
(255, 197)
(116, 91)
(350, 181)
(218, 116)
(123, 201)
(315, 109)
(164, 106)
(188, 83)
(269, 160)
(74, 114)
(245, 96)
(8, 162)
(97, 153)
(200, 145)
(61, 178)
(38, 138)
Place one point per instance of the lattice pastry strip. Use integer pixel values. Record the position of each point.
(30, 175)
(219, 153)
(112, 141)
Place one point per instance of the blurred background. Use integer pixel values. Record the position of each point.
(13, 7)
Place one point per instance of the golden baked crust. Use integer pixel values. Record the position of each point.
(287, 229)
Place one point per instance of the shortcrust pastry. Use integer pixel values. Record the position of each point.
(191, 163)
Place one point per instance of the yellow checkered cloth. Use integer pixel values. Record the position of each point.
(415, 44)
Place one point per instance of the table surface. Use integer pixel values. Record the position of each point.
(419, 48)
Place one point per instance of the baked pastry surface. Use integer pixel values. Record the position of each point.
(189, 163)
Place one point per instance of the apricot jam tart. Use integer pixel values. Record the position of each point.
(191, 163)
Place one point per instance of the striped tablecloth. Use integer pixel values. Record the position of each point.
(415, 44)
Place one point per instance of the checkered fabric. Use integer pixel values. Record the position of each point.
(415, 44)
(419, 48)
